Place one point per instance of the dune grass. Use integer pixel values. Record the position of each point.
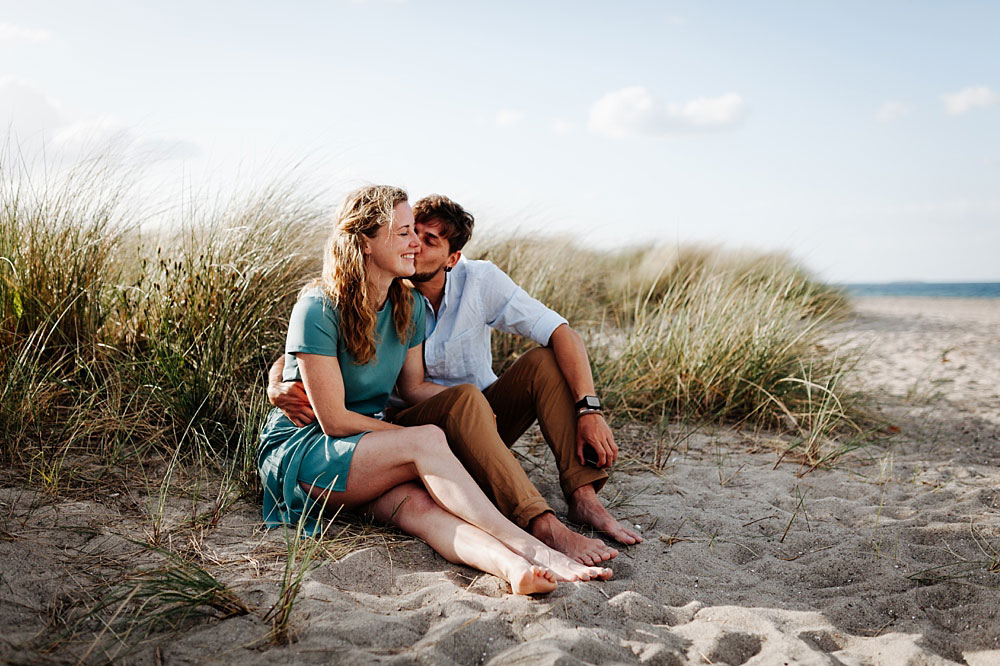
(122, 346)
(696, 334)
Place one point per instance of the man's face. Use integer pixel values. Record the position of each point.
(435, 253)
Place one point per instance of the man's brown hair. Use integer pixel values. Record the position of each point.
(456, 222)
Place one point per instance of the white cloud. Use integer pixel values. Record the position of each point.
(98, 135)
(508, 117)
(633, 112)
(951, 208)
(969, 98)
(26, 111)
(892, 111)
(704, 112)
(38, 124)
(15, 33)
(562, 126)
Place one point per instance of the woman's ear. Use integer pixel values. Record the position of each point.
(366, 248)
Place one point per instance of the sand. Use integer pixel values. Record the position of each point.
(884, 558)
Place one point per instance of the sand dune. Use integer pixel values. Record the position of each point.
(892, 556)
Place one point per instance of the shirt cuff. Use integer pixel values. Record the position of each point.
(545, 326)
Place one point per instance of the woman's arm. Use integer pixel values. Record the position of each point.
(325, 387)
(410, 384)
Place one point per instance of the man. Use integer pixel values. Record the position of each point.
(553, 383)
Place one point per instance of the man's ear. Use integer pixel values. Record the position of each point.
(452, 260)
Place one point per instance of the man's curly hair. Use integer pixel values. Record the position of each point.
(456, 222)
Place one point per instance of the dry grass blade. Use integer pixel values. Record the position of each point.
(301, 551)
(164, 598)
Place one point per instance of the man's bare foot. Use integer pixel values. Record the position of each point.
(547, 529)
(531, 579)
(586, 509)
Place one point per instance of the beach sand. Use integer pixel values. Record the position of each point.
(883, 558)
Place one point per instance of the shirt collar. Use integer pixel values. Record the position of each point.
(450, 279)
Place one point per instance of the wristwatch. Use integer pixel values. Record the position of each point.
(588, 404)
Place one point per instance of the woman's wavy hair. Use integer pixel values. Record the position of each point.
(345, 278)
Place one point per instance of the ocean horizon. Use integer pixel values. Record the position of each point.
(923, 289)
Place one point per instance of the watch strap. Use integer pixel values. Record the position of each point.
(589, 402)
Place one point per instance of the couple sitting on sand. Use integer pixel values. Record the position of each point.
(439, 468)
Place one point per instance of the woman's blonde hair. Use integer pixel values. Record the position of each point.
(344, 278)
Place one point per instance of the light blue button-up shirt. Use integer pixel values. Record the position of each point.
(479, 297)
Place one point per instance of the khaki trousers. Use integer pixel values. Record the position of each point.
(533, 388)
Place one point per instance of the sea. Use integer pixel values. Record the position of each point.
(924, 289)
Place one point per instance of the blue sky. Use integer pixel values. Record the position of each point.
(862, 137)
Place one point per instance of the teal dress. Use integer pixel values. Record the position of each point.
(288, 454)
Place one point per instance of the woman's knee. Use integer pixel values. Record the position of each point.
(429, 440)
(414, 498)
(402, 503)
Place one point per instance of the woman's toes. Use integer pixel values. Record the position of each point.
(533, 580)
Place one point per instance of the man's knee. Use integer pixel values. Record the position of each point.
(540, 362)
(539, 356)
(469, 418)
(467, 396)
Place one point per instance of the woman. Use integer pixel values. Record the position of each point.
(350, 339)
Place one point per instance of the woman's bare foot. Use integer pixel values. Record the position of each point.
(531, 579)
(547, 529)
(586, 509)
(562, 566)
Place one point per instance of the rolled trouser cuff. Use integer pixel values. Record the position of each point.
(527, 510)
(579, 476)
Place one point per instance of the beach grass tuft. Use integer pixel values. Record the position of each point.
(124, 342)
(164, 598)
(697, 334)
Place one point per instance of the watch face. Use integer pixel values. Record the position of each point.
(592, 402)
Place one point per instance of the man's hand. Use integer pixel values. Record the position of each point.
(594, 430)
(290, 398)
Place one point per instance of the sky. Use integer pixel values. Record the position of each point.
(863, 138)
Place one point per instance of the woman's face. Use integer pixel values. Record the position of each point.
(393, 248)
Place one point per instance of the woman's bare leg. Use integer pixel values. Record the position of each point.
(414, 511)
(387, 458)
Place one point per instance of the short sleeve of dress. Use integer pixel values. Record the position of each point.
(419, 320)
(313, 327)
